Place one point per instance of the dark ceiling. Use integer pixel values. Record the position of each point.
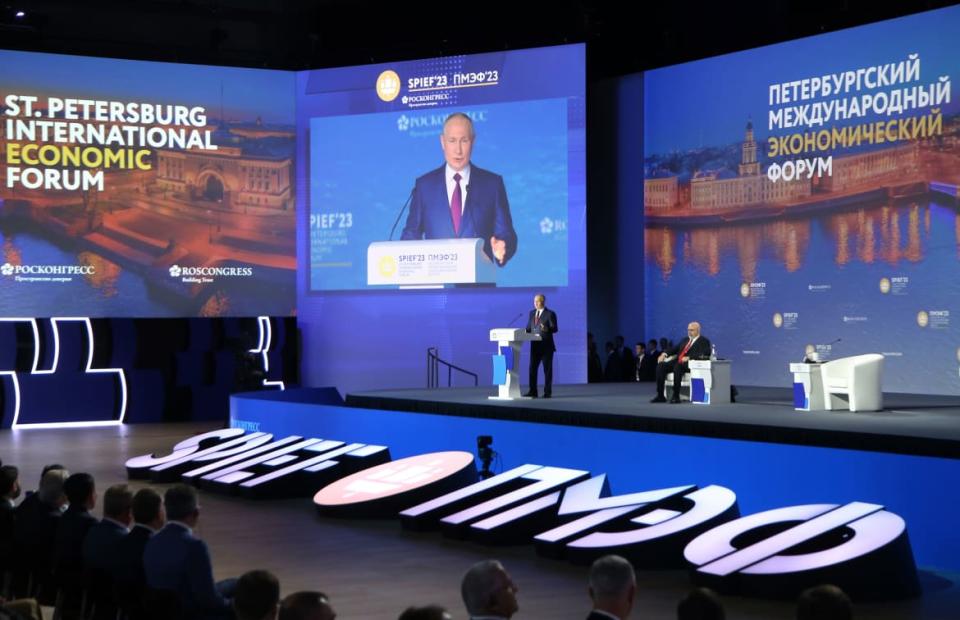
(622, 37)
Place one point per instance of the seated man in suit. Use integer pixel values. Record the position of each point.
(175, 560)
(9, 492)
(306, 605)
(461, 201)
(35, 533)
(76, 522)
(676, 361)
(101, 546)
(612, 588)
(257, 596)
(488, 591)
(149, 517)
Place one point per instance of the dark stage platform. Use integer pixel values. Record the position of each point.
(909, 424)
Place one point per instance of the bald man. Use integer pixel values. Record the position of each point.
(677, 361)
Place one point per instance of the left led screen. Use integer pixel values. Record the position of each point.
(145, 189)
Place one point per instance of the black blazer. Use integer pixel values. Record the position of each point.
(129, 565)
(699, 351)
(73, 528)
(547, 328)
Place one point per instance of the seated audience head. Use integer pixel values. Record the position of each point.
(306, 606)
(430, 612)
(701, 604)
(182, 504)
(148, 509)
(118, 504)
(81, 491)
(257, 596)
(9, 482)
(824, 602)
(51, 488)
(612, 585)
(488, 590)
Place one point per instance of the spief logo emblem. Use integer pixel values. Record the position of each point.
(388, 85)
(388, 266)
(777, 320)
(7, 269)
(175, 271)
(744, 290)
(923, 319)
(884, 285)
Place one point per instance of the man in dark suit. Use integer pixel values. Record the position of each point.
(646, 364)
(76, 522)
(9, 492)
(149, 517)
(489, 592)
(257, 596)
(613, 587)
(102, 543)
(542, 321)
(35, 533)
(613, 370)
(460, 200)
(174, 559)
(677, 361)
(307, 605)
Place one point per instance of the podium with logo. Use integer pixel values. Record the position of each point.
(807, 387)
(429, 263)
(506, 361)
(709, 382)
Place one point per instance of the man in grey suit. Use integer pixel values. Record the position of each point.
(175, 560)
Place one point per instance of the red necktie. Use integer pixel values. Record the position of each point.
(684, 352)
(456, 204)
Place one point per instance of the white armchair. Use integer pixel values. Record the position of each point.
(857, 378)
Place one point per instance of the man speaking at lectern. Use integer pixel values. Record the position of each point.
(542, 321)
(677, 361)
(461, 201)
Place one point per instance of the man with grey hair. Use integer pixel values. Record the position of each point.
(612, 588)
(461, 201)
(488, 591)
(174, 559)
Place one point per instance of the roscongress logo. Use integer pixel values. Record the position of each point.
(46, 273)
(388, 85)
(546, 226)
(403, 123)
(176, 271)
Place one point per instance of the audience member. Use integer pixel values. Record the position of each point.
(174, 559)
(149, 517)
(612, 587)
(430, 612)
(257, 596)
(700, 604)
(76, 522)
(306, 606)
(9, 492)
(612, 371)
(825, 602)
(488, 591)
(101, 546)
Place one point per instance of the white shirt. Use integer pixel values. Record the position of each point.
(452, 184)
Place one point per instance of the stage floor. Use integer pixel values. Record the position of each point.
(909, 424)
